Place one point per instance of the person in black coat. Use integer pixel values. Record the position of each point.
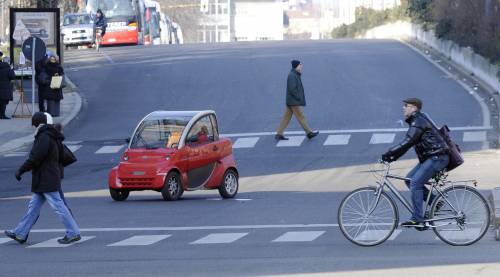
(44, 162)
(6, 95)
(53, 96)
(39, 67)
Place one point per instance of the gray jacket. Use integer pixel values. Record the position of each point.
(294, 90)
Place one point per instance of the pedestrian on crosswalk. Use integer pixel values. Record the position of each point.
(44, 163)
(295, 100)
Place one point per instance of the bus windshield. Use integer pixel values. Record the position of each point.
(112, 8)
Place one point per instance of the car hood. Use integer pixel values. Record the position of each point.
(77, 26)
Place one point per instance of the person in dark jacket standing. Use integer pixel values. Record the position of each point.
(432, 153)
(6, 91)
(44, 163)
(295, 99)
(53, 96)
(39, 67)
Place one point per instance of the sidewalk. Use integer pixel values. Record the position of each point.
(17, 132)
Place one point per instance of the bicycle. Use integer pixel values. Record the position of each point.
(459, 215)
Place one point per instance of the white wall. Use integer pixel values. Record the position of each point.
(258, 20)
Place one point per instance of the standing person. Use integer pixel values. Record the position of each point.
(432, 153)
(44, 163)
(53, 96)
(6, 95)
(39, 68)
(295, 99)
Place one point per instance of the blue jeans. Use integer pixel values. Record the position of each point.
(37, 200)
(418, 177)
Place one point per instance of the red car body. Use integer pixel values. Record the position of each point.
(173, 152)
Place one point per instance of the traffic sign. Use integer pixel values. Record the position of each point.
(40, 49)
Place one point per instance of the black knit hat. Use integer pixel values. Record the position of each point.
(415, 102)
(295, 63)
(38, 118)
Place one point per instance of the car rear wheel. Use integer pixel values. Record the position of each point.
(172, 190)
(229, 186)
(119, 195)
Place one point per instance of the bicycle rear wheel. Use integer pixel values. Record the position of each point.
(472, 211)
(364, 228)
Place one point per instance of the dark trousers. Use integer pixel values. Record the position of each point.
(3, 106)
(41, 101)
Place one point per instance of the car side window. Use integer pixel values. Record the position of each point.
(201, 132)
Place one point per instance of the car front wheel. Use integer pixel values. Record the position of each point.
(172, 190)
(119, 195)
(229, 186)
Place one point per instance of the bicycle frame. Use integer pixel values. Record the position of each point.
(434, 187)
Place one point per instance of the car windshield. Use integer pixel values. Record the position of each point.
(73, 19)
(159, 133)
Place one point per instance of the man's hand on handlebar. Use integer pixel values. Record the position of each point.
(387, 157)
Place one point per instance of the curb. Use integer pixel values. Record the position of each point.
(495, 206)
(26, 140)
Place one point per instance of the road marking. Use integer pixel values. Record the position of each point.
(382, 138)
(73, 142)
(352, 131)
(17, 154)
(189, 228)
(74, 148)
(291, 142)
(52, 243)
(109, 149)
(376, 234)
(229, 199)
(337, 140)
(140, 240)
(478, 136)
(4, 240)
(299, 236)
(245, 142)
(220, 238)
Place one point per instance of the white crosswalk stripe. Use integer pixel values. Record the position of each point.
(299, 236)
(16, 154)
(245, 142)
(109, 149)
(52, 243)
(291, 142)
(4, 240)
(141, 240)
(337, 140)
(220, 238)
(382, 138)
(474, 136)
(74, 148)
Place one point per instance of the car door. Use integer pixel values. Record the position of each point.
(202, 152)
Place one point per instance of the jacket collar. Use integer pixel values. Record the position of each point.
(412, 117)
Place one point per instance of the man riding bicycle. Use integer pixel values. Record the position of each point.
(432, 153)
(101, 22)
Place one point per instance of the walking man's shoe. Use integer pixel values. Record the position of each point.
(312, 134)
(280, 137)
(67, 240)
(13, 236)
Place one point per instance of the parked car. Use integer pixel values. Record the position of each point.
(78, 29)
(176, 151)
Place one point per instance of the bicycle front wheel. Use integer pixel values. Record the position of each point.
(470, 212)
(362, 227)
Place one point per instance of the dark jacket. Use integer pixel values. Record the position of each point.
(423, 137)
(101, 22)
(6, 76)
(294, 90)
(44, 159)
(48, 71)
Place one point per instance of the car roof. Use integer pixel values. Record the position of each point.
(168, 114)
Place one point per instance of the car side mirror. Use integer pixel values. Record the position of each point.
(193, 139)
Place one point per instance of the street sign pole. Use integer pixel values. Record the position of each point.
(33, 71)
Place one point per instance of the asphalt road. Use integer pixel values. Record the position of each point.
(353, 89)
